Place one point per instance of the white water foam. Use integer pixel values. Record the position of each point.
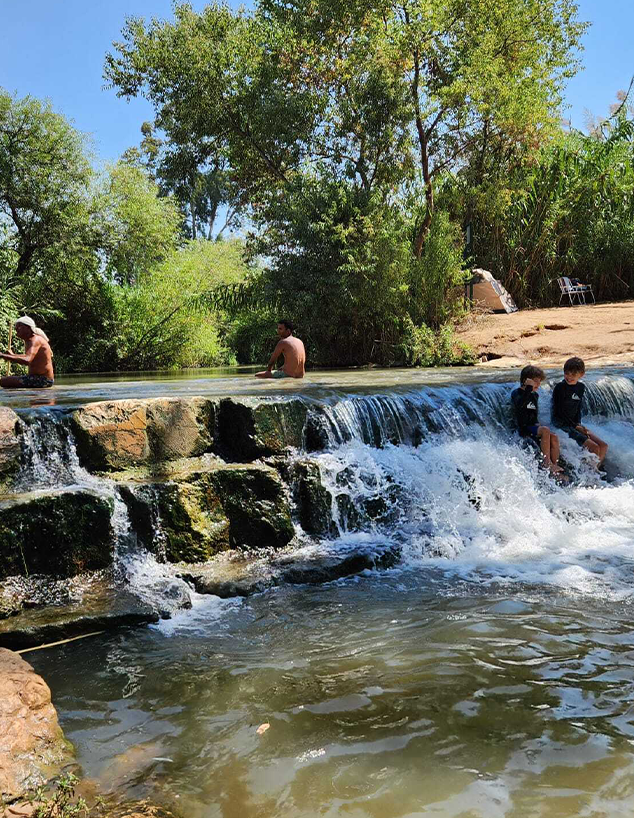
(481, 508)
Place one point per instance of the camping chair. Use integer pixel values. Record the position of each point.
(572, 291)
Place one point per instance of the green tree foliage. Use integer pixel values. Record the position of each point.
(44, 181)
(97, 260)
(160, 323)
(567, 211)
(339, 122)
(196, 174)
(137, 227)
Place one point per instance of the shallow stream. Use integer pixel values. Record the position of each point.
(489, 673)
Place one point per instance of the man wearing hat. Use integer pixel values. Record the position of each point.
(38, 357)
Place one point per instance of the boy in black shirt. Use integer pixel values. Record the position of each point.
(566, 409)
(525, 402)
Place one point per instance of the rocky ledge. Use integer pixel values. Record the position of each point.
(215, 492)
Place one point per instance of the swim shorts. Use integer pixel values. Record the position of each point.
(576, 435)
(279, 373)
(530, 431)
(35, 382)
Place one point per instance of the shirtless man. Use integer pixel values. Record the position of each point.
(293, 351)
(38, 357)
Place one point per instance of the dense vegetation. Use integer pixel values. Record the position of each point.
(353, 142)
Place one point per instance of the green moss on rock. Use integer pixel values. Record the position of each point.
(250, 430)
(200, 513)
(62, 533)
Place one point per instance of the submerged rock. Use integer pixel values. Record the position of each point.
(61, 533)
(10, 447)
(201, 512)
(228, 578)
(118, 434)
(101, 608)
(32, 745)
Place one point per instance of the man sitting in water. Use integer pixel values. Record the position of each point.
(38, 357)
(293, 351)
(525, 401)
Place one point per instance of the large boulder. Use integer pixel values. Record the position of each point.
(32, 745)
(119, 434)
(10, 447)
(61, 533)
(201, 512)
(248, 430)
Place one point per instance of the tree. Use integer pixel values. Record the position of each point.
(389, 95)
(137, 227)
(45, 178)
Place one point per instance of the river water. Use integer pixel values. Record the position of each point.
(489, 673)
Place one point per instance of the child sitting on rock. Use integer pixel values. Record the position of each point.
(525, 402)
(566, 409)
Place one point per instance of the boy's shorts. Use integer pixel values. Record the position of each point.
(575, 434)
(530, 431)
(279, 373)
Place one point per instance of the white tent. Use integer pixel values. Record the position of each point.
(487, 291)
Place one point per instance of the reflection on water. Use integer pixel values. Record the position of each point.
(387, 696)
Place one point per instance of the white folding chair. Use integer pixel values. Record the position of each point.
(571, 291)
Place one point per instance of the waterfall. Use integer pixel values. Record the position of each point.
(437, 472)
(51, 464)
(452, 410)
(442, 473)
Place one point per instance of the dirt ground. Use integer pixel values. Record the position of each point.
(601, 334)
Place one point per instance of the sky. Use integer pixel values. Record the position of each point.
(55, 49)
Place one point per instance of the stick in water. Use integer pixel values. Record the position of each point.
(61, 642)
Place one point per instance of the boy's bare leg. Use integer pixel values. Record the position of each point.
(543, 433)
(596, 445)
(554, 454)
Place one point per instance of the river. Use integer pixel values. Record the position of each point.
(488, 674)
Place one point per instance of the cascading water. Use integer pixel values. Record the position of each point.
(442, 475)
(50, 463)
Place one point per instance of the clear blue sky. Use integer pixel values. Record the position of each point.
(55, 49)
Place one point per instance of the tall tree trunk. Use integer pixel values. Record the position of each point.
(212, 219)
(423, 228)
(192, 210)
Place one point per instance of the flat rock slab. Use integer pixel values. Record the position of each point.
(124, 433)
(103, 608)
(32, 745)
(230, 578)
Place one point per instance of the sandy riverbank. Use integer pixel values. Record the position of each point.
(601, 334)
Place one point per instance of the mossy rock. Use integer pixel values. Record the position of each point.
(313, 500)
(62, 533)
(247, 431)
(194, 517)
